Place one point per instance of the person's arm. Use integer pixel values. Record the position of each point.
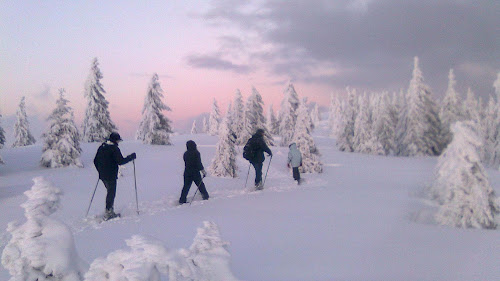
(290, 156)
(266, 148)
(117, 154)
(199, 164)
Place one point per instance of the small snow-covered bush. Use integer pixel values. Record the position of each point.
(42, 249)
(148, 260)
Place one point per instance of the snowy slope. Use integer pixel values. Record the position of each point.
(362, 219)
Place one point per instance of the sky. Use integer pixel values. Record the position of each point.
(203, 50)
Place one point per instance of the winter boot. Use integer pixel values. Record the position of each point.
(259, 186)
(110, 214)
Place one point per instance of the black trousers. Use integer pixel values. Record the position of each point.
(258, 172)
(110, 197)
(296, 173)
(188, 181)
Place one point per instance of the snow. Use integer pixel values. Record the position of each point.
(363, 218)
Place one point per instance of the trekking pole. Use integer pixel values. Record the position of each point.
(198, 187)
(135, 184)
(91, 199)
(270, 159)
(247, 175)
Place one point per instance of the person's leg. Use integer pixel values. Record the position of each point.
(110, 197)
(258, 172)
(296, 173)
(188, 180)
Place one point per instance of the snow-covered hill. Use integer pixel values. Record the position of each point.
(361, 219)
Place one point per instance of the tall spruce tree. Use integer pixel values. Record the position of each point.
(22, 134)
(288, 114)
(214, 120)
(305, 143)
(315, 115)
(238, 117)
(271, 121)
(224, 162)
(62, 141)
(334, 115)
(420, 124)
(451, 108)
(194, 131)
(345, 138)
(2, 134)
(496, 85)
(254, 117)
(461, 185)
(97, 124)
(205, 125)
(490, 130)
(155, 127)
(384, 125)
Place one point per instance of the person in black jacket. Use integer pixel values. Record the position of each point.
(106, 161)
(193, 167)
(259, 146)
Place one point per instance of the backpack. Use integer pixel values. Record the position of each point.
(249, 150)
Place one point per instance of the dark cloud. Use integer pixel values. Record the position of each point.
(217, 63)
(371, 43)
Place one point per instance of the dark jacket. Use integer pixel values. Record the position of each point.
(192, 159)
(107, 159)
(259, 145)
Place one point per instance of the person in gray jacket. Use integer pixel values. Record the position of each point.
(294, 161)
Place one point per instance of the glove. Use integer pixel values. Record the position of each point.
(270, 154)
(204, 173)
(132, 156)
(288, 165)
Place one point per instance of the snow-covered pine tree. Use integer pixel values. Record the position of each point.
(461, 185)
(472, 107)
(254, 118)
(214, 120)
(490, 130)
(451, 108)
(97, 124)
(205, 125)
(42, 248)
(334, 115)
(384, 125)
(238, 118)
(1, 160)
(22, 134)
(420, 125)
(365, 140)
(2, 133)
(271, 121)
(315, 116)
(224, 162)
(194, 131)
(345, 138)
(496, 85)
(155, 126)
(288, 114)
(305, 143)
(62, 141)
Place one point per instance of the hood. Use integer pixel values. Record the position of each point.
(293, 146)
(191, 145)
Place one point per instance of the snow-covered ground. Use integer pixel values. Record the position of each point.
(362, 219)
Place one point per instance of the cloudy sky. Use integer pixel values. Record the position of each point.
(207, 49)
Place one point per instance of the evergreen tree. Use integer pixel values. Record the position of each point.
(238, 118)
(214, 120)
(224, 162)
(22, 134)
(205, 125)
(472, 107)
(384, 125)
(154, 127)
(193, 128)
(496, 85)
(62, 140)
(365, 140)
(305, 143)
(315, 115)
(489, 126)
(451, 109)
(1, 160)
(2, 134)
(345, 139)
(334, 115)
(288, 114)
(420, 125)
(461, 185)
(254, 118)
(97, 124)
(271, 121)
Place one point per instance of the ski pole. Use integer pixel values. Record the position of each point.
(198, 187)
(270, 159)
(249, 164)
(135, 184)
(91, 199)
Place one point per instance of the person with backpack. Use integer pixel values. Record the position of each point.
(193, 167)
(253, 151)
(106, 161)
(294, 161)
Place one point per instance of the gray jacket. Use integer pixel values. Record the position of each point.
(294, 156)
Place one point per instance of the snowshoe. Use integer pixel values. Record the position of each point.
(259, 186)
(110, 214)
